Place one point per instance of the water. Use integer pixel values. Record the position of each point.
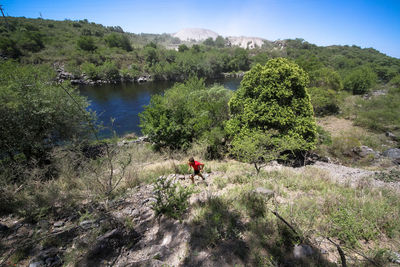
(123, 102)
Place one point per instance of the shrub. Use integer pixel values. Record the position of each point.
(36, 115)
(186, 112)
(171, 197)
(360, 80)
(118, 40)
(327, 78)
(183, 48)
(273, 109)
(86, 43)
(90, 70)
(395, 81)
(109, 71)
(9, 48)
(324, 101)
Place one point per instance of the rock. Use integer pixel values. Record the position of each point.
(142, 79)
(265, 192)
(144, 138)
(77, 81)
(395, 257)
(58, 224)
(364, 151)
(391, 136)
(302, 251)
(36, 264)
(87, 224)
(393, 153)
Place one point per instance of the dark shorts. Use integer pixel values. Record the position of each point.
(196, 172)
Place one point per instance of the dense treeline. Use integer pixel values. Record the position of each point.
(108, 53)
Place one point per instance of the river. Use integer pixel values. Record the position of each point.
(123, 102)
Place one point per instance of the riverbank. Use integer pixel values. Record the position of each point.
(83, 79)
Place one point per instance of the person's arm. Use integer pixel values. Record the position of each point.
(189, 167)
(201, 166)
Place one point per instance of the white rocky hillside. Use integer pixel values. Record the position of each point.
(195, 34)
(198, 35)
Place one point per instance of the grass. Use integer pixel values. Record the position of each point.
(309, 201)
(364, 218)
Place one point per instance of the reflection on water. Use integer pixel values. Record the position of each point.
(123, 102)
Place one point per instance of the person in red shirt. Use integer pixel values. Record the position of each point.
(197, 167)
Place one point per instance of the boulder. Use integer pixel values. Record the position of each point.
(365, 151)
(393, 153)
(302, 251)
(391, 136)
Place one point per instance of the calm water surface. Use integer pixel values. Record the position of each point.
(123, 102)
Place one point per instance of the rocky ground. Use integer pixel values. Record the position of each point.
(126, 232)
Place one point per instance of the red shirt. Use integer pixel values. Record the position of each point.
(195, 165)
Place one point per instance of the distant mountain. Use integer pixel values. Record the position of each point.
(195, 34)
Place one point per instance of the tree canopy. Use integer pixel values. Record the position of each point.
(272, 100)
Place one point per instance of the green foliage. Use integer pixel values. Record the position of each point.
(360, 80)
(324, 137)
(326, 78)
(86, 43)
(272, 100)
(389, 177)
(209, 41)
(118, 40)
(9, 48)
(109, 71)
(324, 101)
(171, 198)
(183, 48)
(185, 113)
(381, 113)
(349, 227)
(395, 81)
(220, 41)
(36, 115)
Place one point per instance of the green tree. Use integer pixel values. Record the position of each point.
(326, 78)
(220, 41)
(36, 115)
(360, 80)
(118, 40)
(273, 101)
(209, 41)
(186, 112)
(86, 43)
(183, 48)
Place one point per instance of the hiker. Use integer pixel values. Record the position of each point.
(197, 167)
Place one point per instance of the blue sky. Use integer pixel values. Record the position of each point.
(354, 22)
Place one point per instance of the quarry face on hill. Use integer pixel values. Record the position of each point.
(195, 34)
(245, 42)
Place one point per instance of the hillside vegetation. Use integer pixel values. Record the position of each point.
(296, 163)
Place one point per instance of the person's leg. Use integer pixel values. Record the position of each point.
(199, 174)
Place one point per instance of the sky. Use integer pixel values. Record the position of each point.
(365, 23)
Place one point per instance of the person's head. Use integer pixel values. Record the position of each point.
(191, 159)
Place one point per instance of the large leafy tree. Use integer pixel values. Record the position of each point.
(272, 101)
(186, 112)
(36, 114)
